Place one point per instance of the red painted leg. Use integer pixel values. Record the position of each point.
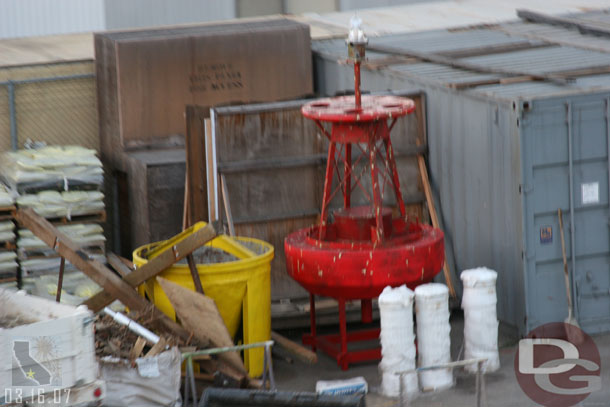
(366, 311)
(342, 357)
(312, 320)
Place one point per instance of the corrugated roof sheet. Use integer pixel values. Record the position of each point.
(437, 15)
(494, 48)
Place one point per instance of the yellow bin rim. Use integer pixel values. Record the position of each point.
(218, 268)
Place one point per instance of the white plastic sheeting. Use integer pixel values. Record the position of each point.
(155, 381)
(433, 335)
(480, 320)
(397, 341)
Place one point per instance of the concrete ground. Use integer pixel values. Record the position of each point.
(502, 387)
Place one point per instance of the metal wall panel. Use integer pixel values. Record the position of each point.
(498, 156)
(121, 14)
(547, 131)
(25, 18)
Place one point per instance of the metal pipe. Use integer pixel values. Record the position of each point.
(48, 79)
(571, 191)
(132, 325)
(270, 367)
(10, 86)
(608, 148)
(191, 374)
(357, 84)
(215, 351)
(60, 281)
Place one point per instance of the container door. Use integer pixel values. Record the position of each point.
(566, 162)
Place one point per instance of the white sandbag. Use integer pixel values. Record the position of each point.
(397, 341)
(480, 320)
(433, 335)
(155, 381)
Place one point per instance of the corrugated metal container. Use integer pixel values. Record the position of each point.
(506, 152)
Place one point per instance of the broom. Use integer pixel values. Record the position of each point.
(573, 331)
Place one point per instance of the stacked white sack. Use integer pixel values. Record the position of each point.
(54, 204)
(480, 320)
(397, 341)
(8, 257)
(48, 167)
(37, 258)
(433, 335)
(6, 197)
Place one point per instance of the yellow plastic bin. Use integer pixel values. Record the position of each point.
(241, 288)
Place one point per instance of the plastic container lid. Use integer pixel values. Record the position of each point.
(398, 295)
(431, 290)
(481, 276)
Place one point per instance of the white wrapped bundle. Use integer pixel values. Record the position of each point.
(480, 320)
(6, 231)
(8, 262)
(397, 341)
(82, 234)
(6, 197)
(53, 204)
(433, 335)
(50, 165)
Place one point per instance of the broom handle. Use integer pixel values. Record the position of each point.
(565, 261)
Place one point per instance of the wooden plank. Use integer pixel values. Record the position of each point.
(468, 66)
(118, 264)
(433, 216)
(584, 27)
(137, 348)
(196, 166)
(200, 315)
(156, 348)
(194, 273)
(156, 265)
(494, 49)
(299, 351)
(227, 204)
(209, 156)
(96, 271)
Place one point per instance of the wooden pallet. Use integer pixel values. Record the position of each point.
(7, 212)
(96, 217)
(8, 279)
(48, 253)
(7, 246)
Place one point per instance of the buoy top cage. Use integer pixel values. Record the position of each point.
(363, 123)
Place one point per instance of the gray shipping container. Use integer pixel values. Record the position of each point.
(506, 151)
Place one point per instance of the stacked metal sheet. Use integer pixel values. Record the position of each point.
(62, 184)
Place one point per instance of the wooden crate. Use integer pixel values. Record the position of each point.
(273, 161)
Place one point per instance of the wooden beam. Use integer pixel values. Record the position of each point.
(156, 265)
(299, 351)
(95, 270)
(570, 73)
(468, 66)
(196, 163)
(434, 217)
(494, 49)
(583, 27)
(227, 204)
(118, 264)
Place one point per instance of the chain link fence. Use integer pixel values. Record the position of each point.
(57, 110)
